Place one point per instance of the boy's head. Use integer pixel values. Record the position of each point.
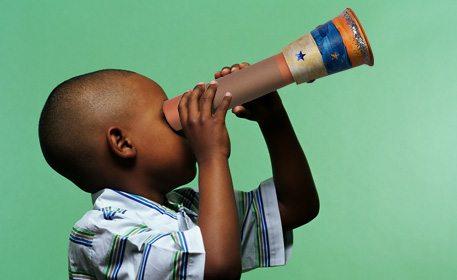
(107, 129)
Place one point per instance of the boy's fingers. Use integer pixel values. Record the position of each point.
(192, 104)
(182, 107)
(244, 65)
(241, 112)
(235, 67)
(238, 109)
(225, 71)
(221, 110)
(206, 101)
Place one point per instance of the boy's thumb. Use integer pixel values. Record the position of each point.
(224, 105)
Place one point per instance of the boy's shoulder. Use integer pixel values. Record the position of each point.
(95, 220)
(123, 224)
(114, 211)
(97, 225)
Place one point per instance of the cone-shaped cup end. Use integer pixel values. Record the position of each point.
(354, 38)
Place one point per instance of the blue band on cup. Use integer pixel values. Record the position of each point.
(331, 47)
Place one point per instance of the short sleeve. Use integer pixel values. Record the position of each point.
(263, 241)
(174, 255)
(144, 253)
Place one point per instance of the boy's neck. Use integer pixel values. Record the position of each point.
(146, 189)
(153, 195)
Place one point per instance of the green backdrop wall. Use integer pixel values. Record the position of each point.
(381, 141)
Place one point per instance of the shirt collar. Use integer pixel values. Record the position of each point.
(124, 200)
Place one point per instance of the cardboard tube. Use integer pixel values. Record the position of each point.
(334, 46)
(245, 85)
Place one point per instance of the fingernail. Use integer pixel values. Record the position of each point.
(213, 82)
(228, 93)
(200, 83)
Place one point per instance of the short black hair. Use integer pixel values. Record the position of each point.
(62, 122)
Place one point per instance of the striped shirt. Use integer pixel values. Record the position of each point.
(126, 236)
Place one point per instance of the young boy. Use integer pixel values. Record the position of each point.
(106, 132)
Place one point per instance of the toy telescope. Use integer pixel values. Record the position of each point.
(335, 46)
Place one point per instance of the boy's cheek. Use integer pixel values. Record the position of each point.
(180, 163)
(185, 151)
(178, 150)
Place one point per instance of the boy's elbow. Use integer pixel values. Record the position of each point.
(312, 212)
(312, 209)
(222, 275)
(309, 213)
(299, 210)
(223, 269)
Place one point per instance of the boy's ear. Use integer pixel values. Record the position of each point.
(120, 144)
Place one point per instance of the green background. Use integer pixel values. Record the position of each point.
(381, 141)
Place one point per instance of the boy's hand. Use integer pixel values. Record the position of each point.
(217, 219)
(260, 109)
(205, 131)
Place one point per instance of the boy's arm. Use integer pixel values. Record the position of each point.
(208, 138)
(297, 196)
